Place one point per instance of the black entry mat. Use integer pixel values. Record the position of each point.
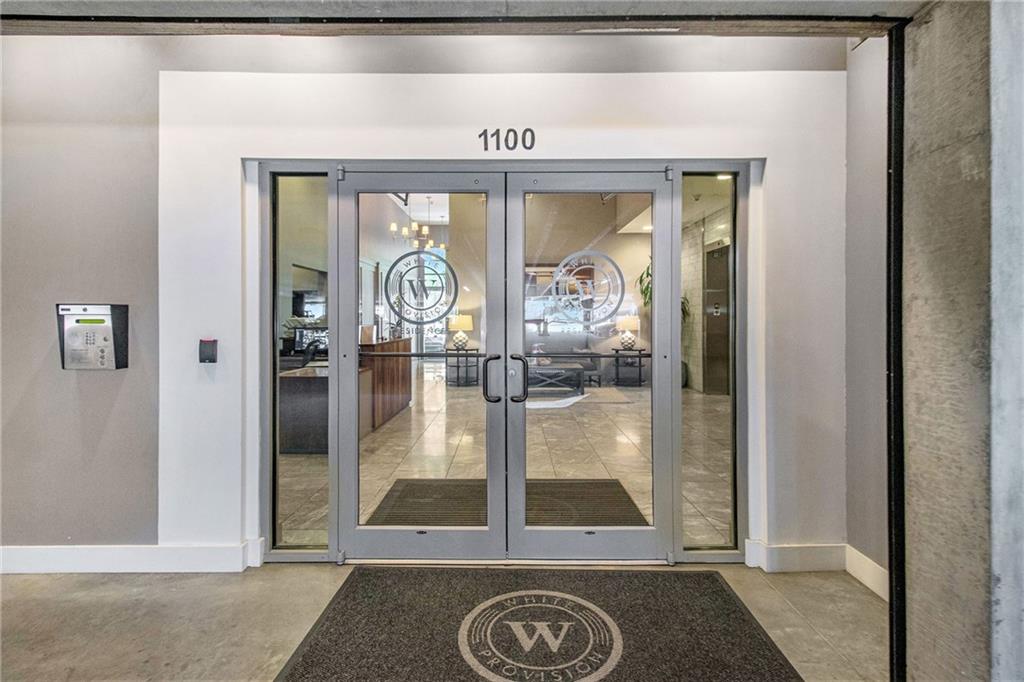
(549, 502)
(431, 624)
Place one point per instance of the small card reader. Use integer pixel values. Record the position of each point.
(207, 350)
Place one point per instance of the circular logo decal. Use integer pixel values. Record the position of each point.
(421, 287)
(588, 287)
(540, 635)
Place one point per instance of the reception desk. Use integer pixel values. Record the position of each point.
(392, 378)
(385, 389)
(302, 410)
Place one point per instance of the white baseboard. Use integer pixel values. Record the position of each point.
(128, 558)
(254, 552)
(234, 558)
(754, 553)
(786, 558)
(838, 557)
(868, 572)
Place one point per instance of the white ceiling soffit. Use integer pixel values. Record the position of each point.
(346, 17)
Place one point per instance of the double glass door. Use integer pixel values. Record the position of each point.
(504, 377)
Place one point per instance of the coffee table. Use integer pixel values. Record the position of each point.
(560, 377)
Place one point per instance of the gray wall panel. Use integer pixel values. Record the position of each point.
(79, 225)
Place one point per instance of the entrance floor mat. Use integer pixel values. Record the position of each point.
(415, 624)
(549, 502)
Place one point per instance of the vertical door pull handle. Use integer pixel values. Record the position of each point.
(487, 393)
(521, 398)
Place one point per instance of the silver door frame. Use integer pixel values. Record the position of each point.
(742, 170)
(268, 323)
(580, 542)
(418, 542)
(672, 167)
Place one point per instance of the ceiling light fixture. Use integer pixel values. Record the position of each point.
(724, 176)
(630, 29)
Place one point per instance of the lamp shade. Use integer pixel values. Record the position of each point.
(629, 323)
(460, 323)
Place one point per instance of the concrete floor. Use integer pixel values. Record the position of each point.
(607, 434)
(245, 626)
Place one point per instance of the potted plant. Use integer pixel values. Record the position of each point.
(645, 283)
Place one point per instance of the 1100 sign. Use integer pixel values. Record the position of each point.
(507, 139)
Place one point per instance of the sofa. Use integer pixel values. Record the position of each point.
(570, 343)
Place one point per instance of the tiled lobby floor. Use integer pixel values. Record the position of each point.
(244, 626)
(607, 434)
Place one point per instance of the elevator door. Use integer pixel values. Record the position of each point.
(717, 320)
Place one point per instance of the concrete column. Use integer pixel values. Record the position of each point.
(1007, 340)
(946, 327)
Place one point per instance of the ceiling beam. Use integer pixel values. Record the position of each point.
(761, 26)
(454, 17)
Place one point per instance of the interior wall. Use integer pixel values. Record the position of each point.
(86, 108)
(353, 116)
(866, 229)
(946, 324)
(467, 252)
(79, 201)
(302, 235)
(376, 213)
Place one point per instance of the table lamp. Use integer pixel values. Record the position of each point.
(460, 324)
(628, 324)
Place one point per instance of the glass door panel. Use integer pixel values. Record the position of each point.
(584, 371)
(422, 390)
(708, 394)
(301, 339)
(422, 422)
(588, 416)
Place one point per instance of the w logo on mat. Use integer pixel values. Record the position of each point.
(539, 630)
(500, 639)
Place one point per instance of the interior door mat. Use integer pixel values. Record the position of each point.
(549, 502)
(429, 624)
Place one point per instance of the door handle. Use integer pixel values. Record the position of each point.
(526, 379)
(487, 393)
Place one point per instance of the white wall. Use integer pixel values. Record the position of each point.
(866, 232)
(210, 121)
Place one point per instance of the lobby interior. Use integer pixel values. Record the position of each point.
(138, 541)
(589, 419)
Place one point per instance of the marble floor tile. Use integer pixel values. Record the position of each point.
(442, 434)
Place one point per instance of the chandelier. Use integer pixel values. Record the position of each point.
(416, 235)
